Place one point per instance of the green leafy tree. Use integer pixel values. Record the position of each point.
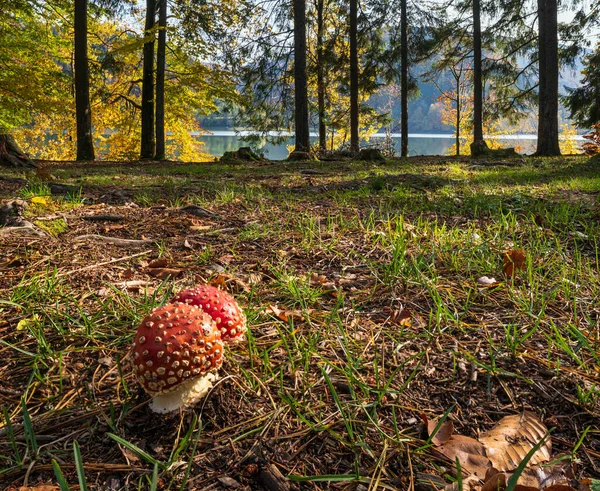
(31, 82)
(584, 102)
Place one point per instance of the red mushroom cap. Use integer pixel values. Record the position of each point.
(221, 306)
(174, 344)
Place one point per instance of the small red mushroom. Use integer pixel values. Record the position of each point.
(221, 306)
(177, 346)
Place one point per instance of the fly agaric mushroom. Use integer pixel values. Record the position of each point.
(221, 306)
(176, 348)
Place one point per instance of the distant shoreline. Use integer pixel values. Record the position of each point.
(441, 136)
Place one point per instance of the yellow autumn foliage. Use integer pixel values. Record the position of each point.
(568, 143)
(192, 88)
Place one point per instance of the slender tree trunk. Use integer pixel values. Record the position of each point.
(479, 146)
(300, 82)
(354, 141)
(404, 79)
(83, 114)
(547, 143)
(321, 76)
(148, 141)
(457, 116)
(161, 64)
(11, 155)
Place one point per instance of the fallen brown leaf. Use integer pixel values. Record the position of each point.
(511, 439)
(494, 482)
(513, 261)
(162, 273)
(158, 263)
(317, 280)
(403, 317)
(285, 315)
(470, 454)
(559, 487)
(219, 281)
(443, 434)
(229, 282)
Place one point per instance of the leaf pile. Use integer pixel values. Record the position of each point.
(515, 454)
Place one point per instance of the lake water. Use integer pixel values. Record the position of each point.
(218, 142)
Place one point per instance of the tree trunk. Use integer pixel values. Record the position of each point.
(300, 82)
(320, 76)
(161, 64)
(547, 143)
(479, 146)
(85, 144)
(11, 155)
(457, 116)
(404, 79)
(148, 141)
(354, 141)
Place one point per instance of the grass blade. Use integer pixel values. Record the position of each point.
(154, 482)
(28, 428)
(79, 467)
(60, 477)
(148, 458)
(11, 436)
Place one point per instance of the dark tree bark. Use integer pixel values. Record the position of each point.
(11, 155)
(354, 141)
(300, 82)
(479, 145)
(83, 114)
(148, 142)
(321, 76)
(161, 64)
(547, 143)
(404, 79)
(458, 101)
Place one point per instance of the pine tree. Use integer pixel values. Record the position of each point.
(584, 101)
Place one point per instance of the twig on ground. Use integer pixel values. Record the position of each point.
(114, 240)
(97, 265)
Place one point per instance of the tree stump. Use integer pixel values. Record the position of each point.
(479, 148)
(371, 154)
(244, 154)
(300, 156)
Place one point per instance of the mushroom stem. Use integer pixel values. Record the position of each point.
(185, 394)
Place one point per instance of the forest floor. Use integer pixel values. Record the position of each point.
(368, 314)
